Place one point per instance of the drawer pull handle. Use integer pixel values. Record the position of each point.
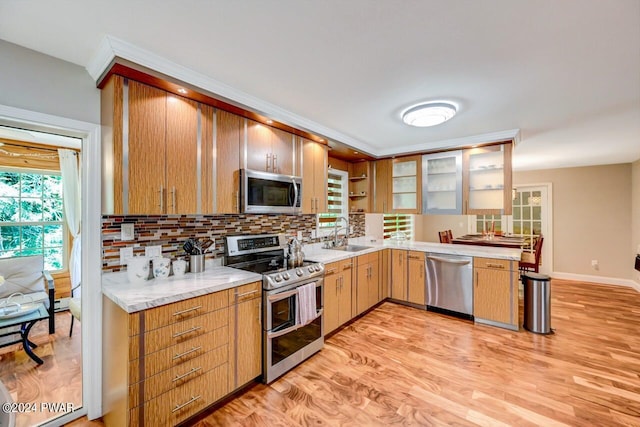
(413, 257)
(179, 313)
(192, 371)
(346, 267)
(330, 271)
(188, 402)
(495, 265)
(188, 331)
(178, 356)
(248, 293)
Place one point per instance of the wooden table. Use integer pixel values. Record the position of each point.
(497, 241)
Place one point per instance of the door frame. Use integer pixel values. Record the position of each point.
(91, 327)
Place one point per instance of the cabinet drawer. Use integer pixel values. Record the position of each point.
(167, 358)
(346, 264)
(416, 255)
(245, 292)
(178, 333)
(183, 310)
(332, 268)
(367, 258)
(178, 376)
(496, 264)
(178, 404)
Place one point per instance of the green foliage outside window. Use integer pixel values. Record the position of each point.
(31, 216)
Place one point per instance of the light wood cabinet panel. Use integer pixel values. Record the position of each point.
(346, 287)
(416, 278)
(382, 186)
(337, 294)
(208, 158)
(374, 280)
(314, 177)
(183, 310)
(146, 149)
(247, 342)
(228, 132)
(385, 274)
(495, 292)
(399, 274)
(269, 149)
(367, 282)
(487, 180)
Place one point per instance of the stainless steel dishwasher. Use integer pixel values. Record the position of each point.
(450, 284)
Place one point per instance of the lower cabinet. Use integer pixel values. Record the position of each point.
(337, 294)
(495, 292)
(367, 282)
(165, 364)
(408, 276)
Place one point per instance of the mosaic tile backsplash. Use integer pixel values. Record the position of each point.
(170, 231)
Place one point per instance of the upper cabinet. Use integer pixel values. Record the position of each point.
(406, 182)
(382, 185)
(150, 150)
(314, 177)
(229, 128)
(442, 183)
(269, 149)
(487, 180)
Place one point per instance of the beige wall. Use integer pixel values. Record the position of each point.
(591, 218)
(635, 215)
(427, 226)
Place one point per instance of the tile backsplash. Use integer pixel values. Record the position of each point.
(170, 231)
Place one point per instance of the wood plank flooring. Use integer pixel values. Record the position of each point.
(402, 366)
(58, 379)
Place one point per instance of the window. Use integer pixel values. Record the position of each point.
(31, 216)
(485, 222)
(337, 201)
(398, 222)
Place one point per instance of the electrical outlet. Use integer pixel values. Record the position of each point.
(153, 251)
(594, 264)
(126, 231)
(124, 254)
(314, 233)
(300, 236)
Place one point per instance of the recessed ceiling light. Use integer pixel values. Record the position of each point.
(356, 152)
(183, 91)
(269, 122)
(429, 114)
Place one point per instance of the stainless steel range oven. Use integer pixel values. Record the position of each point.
(286, 340)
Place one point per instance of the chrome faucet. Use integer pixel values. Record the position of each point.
(335, 232)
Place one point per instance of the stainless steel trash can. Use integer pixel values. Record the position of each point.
(537, 303)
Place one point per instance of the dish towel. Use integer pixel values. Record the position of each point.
(306, 311)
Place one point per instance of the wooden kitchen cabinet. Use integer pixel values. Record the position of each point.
(495, 292)
(406, 185)
(314, 177)
(367, 282)
(245, 334)
(337, 294)
(269, 149)
(399, 274)
(385, 274)
(487, 180)
(149, 150)
(227, 172)
(382, 186)
(416, 285)
(359, 187)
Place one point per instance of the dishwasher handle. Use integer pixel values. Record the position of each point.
(450, 261)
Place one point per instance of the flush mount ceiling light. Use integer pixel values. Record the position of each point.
(429, 114)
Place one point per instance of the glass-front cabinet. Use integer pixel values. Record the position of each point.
(406, 184)
(487, 180)
(442, 183)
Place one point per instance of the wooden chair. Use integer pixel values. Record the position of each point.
(531, 261)
(445, 236)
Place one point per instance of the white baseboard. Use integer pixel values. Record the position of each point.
(597, 279)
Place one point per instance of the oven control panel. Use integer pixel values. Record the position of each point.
(248, 244)
(299, 274)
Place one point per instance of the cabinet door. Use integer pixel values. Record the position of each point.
(398, 274)
(346, 268)
(314, 177)
(146, 187)
(382, 186)
(362, 284)
(228, 131)
(487, 180)
(248, 341)
(406, 183)
(374, 280)
(182, 155)
(282, 152)
(258, 147)
(416, 278)
(385, 277)
(332, 298)
(492, 295)
(442, 183)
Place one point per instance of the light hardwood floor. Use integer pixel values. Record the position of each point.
(58, 379)
(402, 366)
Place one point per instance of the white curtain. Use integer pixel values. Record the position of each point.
(69, 168)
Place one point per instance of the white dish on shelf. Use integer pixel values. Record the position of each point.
(21, 310)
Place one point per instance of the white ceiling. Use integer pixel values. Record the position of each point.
(565, 73)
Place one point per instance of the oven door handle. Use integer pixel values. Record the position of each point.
(281, 296)
(282, 332)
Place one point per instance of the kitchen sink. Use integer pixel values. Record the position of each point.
(351, 248)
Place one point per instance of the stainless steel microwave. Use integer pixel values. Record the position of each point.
(264, 192)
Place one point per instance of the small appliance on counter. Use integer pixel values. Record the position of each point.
(293, 328)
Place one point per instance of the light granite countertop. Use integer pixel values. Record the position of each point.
(314, 252)
(133, 297)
